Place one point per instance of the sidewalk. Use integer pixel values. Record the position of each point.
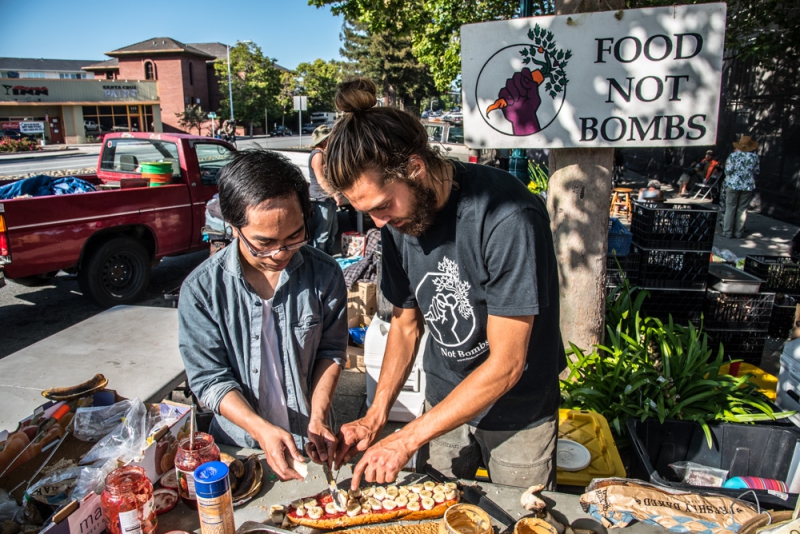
(52, 152)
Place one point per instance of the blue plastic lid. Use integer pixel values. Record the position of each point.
(211, 480)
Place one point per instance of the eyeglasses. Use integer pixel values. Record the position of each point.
(274, 251)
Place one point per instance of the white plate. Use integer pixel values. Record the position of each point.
(572, 456)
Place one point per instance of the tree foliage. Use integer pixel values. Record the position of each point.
(387, 58)
(192, 117)
(318, 81)
(256, 83)
(763, 29)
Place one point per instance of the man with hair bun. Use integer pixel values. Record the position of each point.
(467, 252)
(263, 323)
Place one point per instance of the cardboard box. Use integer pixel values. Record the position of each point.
(353, 244)
(355, 358)
(85, 517)
(361, 304)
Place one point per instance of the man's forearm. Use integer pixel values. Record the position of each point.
(237, 410)
(323, 385)
(398, 359)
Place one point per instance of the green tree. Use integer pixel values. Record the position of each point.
(256, 84)
(388, 59)
(763, 29)
(318, 81)
(192, 117)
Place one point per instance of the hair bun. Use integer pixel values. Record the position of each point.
(356, 95)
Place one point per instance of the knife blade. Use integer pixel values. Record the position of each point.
(338, 500)
(474, 496)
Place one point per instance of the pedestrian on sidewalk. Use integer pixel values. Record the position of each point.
(323, 224)
(740, 172)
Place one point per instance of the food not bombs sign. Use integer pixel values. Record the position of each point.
(632, 78)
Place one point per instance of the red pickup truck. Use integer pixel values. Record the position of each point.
(112, 237)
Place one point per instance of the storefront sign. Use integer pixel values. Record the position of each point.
(13, 125)
(24, 90)
(31, 127)
(120, 91)
(633, 78)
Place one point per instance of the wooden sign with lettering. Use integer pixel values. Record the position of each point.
(631, 78)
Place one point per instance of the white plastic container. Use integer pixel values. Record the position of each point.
(411, 401)
(789, 379)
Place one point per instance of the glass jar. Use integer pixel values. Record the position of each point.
(465, 519)
(189, 457)
(127, 502)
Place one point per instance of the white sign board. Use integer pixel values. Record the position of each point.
(633, 78)
(31, 127)
(300, 103)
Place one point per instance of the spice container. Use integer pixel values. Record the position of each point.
(127, 502)
(214, 502)
(189, 457)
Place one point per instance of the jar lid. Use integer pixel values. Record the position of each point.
(211, 480)
(572, 456)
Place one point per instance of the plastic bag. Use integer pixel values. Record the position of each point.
(126, 442)
(93, 424)
(56, 487)
(92, 479)
(9, 509)
(696, 474)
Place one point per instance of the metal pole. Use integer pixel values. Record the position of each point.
(300, 122)
(230, 87)
(525, 8)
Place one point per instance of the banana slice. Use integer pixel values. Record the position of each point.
(366, 509)
(392, 491)
(401, 501)
(276, 513)
(300, 511)
(413, 497)
(298, 503)
(450, 494)
(416, 488)
(403, 490)
(414, 506)
(330, 508)
(379, 493)
(429, 485)
(353, 509)
(428, 503)
(425, 493)
(375, 504)
(367, 492)
(450, 485)
(363, 499)
(389, 504)
(315, 512)
(438, 487)
(438, 497)
(310, 503)
(354, 494)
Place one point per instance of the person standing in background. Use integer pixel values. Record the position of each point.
(323, 224)
(740, 172)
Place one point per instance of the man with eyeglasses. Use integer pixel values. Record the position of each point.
(263, 323)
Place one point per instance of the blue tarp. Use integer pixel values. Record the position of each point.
(43, 185)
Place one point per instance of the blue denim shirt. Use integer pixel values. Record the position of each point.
(220, 318)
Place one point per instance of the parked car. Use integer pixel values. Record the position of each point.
(281, 131)
(14, 134)
(309, 128)
(90, 126)
(448, 139)
(454, 116)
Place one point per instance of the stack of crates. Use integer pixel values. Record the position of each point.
(739, 322)
(673, 243)
(781, 276)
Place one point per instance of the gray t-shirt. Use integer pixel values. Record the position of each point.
(314, 189)
(489, 252)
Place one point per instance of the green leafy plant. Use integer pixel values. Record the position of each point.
(650, 369)
(539, 175)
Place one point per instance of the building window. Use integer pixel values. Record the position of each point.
(110, 75)
(149, 73)
(33, 74)
(191, 74)
(72, 75)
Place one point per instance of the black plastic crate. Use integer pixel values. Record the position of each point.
(783, 312)
(780, 273)
(673, 226)
(746, 345)
(684, 306)
(672, 269)
(738, 311)
(628, 268)
(741, 449)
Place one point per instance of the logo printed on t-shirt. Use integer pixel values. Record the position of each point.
(449, 316)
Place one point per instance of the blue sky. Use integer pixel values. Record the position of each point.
(289, 30)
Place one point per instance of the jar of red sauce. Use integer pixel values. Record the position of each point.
(189, 457)
(127, 502)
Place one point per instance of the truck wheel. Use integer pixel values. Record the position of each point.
(116, 273)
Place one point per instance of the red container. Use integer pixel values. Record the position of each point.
(127, 502)
(189, 457)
